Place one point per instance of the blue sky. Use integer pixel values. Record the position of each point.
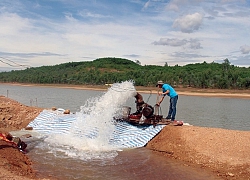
(49, 32)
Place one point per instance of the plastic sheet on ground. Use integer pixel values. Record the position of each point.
(124, 136)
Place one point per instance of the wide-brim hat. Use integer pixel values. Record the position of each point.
(159, 83)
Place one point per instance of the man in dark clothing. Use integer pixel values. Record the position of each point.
(139, 103)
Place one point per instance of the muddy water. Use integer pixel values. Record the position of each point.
(133, 164)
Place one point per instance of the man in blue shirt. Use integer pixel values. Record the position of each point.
(168, 90)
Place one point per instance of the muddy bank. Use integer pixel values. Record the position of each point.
(15, 116)
(224, 152)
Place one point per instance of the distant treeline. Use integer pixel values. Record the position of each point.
(111, 70)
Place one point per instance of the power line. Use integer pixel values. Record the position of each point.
(16, 64)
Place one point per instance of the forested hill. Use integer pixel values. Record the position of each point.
(111, 70)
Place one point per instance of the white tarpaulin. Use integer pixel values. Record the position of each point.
(125, 135)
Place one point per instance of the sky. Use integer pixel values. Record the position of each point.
(36, 33)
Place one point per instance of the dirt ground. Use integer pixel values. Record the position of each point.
(224, 152)
(14, 164)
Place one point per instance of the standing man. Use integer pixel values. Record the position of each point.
(168, 90)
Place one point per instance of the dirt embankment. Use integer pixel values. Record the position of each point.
(15, 116)
(224, 152)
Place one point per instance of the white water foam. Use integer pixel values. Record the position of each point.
(90, 134)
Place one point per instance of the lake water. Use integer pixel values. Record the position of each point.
(226, 113)
(140, 163)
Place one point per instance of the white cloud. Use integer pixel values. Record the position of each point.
(146, 5)
(177, 3)
(195, 44)
(245, 49)
(170, 42)
(229, 1)
(192, 43)
(12, 24)
(172, 7)
(65, 31)
(189, 23)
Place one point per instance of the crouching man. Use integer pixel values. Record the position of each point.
(139, 103)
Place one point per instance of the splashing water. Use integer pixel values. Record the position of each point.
(90, 134)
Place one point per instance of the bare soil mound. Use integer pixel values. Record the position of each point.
(224, 152)
(15, 116)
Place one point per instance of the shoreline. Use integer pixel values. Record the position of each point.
(225, 93)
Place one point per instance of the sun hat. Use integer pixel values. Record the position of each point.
(159, 83)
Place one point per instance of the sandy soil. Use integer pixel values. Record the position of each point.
(224, 152)
(14, 164)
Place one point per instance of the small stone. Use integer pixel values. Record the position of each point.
(8, 117)
(2, 117)
(230, 174)
(29, 128)
(54, 108)
(27, 135)
(67, 111)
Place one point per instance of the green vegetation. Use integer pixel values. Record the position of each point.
(111, 70)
